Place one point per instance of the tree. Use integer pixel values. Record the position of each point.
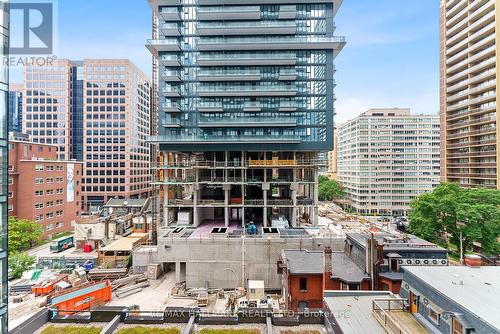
(19, 263)
(453, 213)
(23, 234)
(329, 190)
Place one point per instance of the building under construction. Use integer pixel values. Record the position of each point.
(266, 188)
(250, 85)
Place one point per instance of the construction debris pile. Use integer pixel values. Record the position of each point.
(334, 221)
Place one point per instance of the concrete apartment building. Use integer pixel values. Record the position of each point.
(15, 108)
(468, 103)
(96, 111)
(43, 188)
(245, 107)
(386, 157)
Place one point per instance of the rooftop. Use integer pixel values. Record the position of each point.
(353, 310)
(345, 269)
(475, 288)
(393, 242)
(125, 243)
(300, 261)
(126, 202)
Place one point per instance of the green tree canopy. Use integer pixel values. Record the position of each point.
(329, 190)
(19, 263)
(23, 234)
(450, 210)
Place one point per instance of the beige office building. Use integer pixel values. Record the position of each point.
(96, 111)
(469, 78)
(387, 157)
(47, 106)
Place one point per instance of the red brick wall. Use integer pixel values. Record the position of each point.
(313, 296)
(393, 286)
(23, 173)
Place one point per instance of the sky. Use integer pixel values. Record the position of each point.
(391, 58)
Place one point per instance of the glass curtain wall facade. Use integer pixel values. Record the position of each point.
(4, 96)
(244, 80)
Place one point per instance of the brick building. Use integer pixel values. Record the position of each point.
(43, 188)
(307, 274)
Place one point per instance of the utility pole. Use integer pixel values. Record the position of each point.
(461, 249)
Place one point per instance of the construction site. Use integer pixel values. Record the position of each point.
(235, 188)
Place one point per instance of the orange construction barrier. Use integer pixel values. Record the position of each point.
(81, 298)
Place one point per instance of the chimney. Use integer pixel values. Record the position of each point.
(473, 260)
(327, 266)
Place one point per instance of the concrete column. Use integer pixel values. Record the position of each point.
(177, 272)
(165, 205)
(315, 202)
(294, 202)
(264, 211)
(196, 221)
(226, 207)
(243, 217)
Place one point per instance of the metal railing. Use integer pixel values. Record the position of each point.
(381, 309)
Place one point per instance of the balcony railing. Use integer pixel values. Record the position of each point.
(382, 308)
(213, 139)
(247, 121)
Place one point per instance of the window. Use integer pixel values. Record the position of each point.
(350, 287)
(38, 180)
(456, 327)
(303, 284)
(39, 193)
(303, 305)
(39, 168)
(434, 316)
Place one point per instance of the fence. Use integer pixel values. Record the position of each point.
(382, 308)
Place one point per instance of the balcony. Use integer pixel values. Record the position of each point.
(229, 75)
(170, 92)
(171, 123)
(170, 14)
(210, 107)
(247, 28)
(287, 12)
(170, 107)
(251, 91)
(171, 61)
(170, 29)
(271, 43)
(247, 59)
(229, 13)
(287, 74)
(392, 315)
(239, 122)
(161, 45)
(252, 106)
(477, 154)
(336, 3)
(213, 139)
(170, 76)
(285, 106)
